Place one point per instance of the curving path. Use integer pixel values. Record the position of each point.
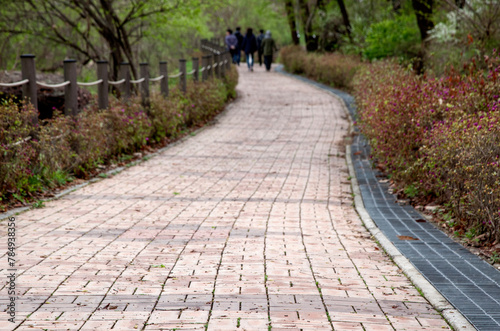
(249, 225)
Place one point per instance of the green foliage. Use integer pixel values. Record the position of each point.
(463, 34)
(256, 14)
(38, 204)
(173, 32)
(495, 258)
(398, 37)
(411, 191)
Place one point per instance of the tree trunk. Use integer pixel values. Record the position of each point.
(290, 13)
(306, 19)
(345, 18)
(423, 12)
(396, 6)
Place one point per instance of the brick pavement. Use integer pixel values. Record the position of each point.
(246, 226)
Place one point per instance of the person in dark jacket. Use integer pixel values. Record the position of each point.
(232, 44)
(260, 37)
(268, 48)
(249, 46)
(238, 36)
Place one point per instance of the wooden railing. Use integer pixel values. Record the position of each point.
(214, 64)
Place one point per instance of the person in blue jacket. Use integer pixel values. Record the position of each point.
(232, 44)
(249, 46)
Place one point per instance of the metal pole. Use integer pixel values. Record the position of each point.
(28, 71)
(196, 69)
(164, 81)
(182, 78)
(145, 84)
(125, 74)
(71, 90)
(102, 89)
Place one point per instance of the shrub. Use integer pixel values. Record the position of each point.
(17, 148)
(332, 69)
(33, 158)
(439, 135)
(397, 37)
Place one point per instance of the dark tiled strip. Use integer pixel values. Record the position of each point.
(470, 284)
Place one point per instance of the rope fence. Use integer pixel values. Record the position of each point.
(137, 81)
(157, 79)
(214, 64)
(63, 84)
(97, 82)
(118, 82)
(19, 83)
(176, 75)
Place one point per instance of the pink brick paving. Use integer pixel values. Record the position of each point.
(247, 224)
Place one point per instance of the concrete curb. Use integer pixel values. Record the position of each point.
(452, 315)
(17, 211)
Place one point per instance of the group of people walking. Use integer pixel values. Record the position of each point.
(263, 44)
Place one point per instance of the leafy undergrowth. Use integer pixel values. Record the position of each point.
(331, 69)
(35, 160)
(438, 138)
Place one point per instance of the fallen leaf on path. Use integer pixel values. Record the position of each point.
(406, 238)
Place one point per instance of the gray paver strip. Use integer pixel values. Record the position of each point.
(262, 230)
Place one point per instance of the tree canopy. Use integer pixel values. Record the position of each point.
(124, 30)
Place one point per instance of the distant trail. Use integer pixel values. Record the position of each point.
(246, 224)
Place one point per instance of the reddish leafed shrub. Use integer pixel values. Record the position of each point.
(17, 148)
(332, 69)
(439, 135)
(35, 157)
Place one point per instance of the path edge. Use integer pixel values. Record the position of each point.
(115, 171)
(426, 289)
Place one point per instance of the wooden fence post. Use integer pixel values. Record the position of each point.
(222, 65)
(204, 64)
(71, 90)
(164, 81)
(182, 78)
(145, 84)
(229, 60)
(217, 67)
(102, 88)
(28, 71)
(125, 74)
(211, 64)
(196, 68)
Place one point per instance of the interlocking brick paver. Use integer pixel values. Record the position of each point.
(247, 224)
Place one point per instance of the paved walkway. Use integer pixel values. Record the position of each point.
(246, 226)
